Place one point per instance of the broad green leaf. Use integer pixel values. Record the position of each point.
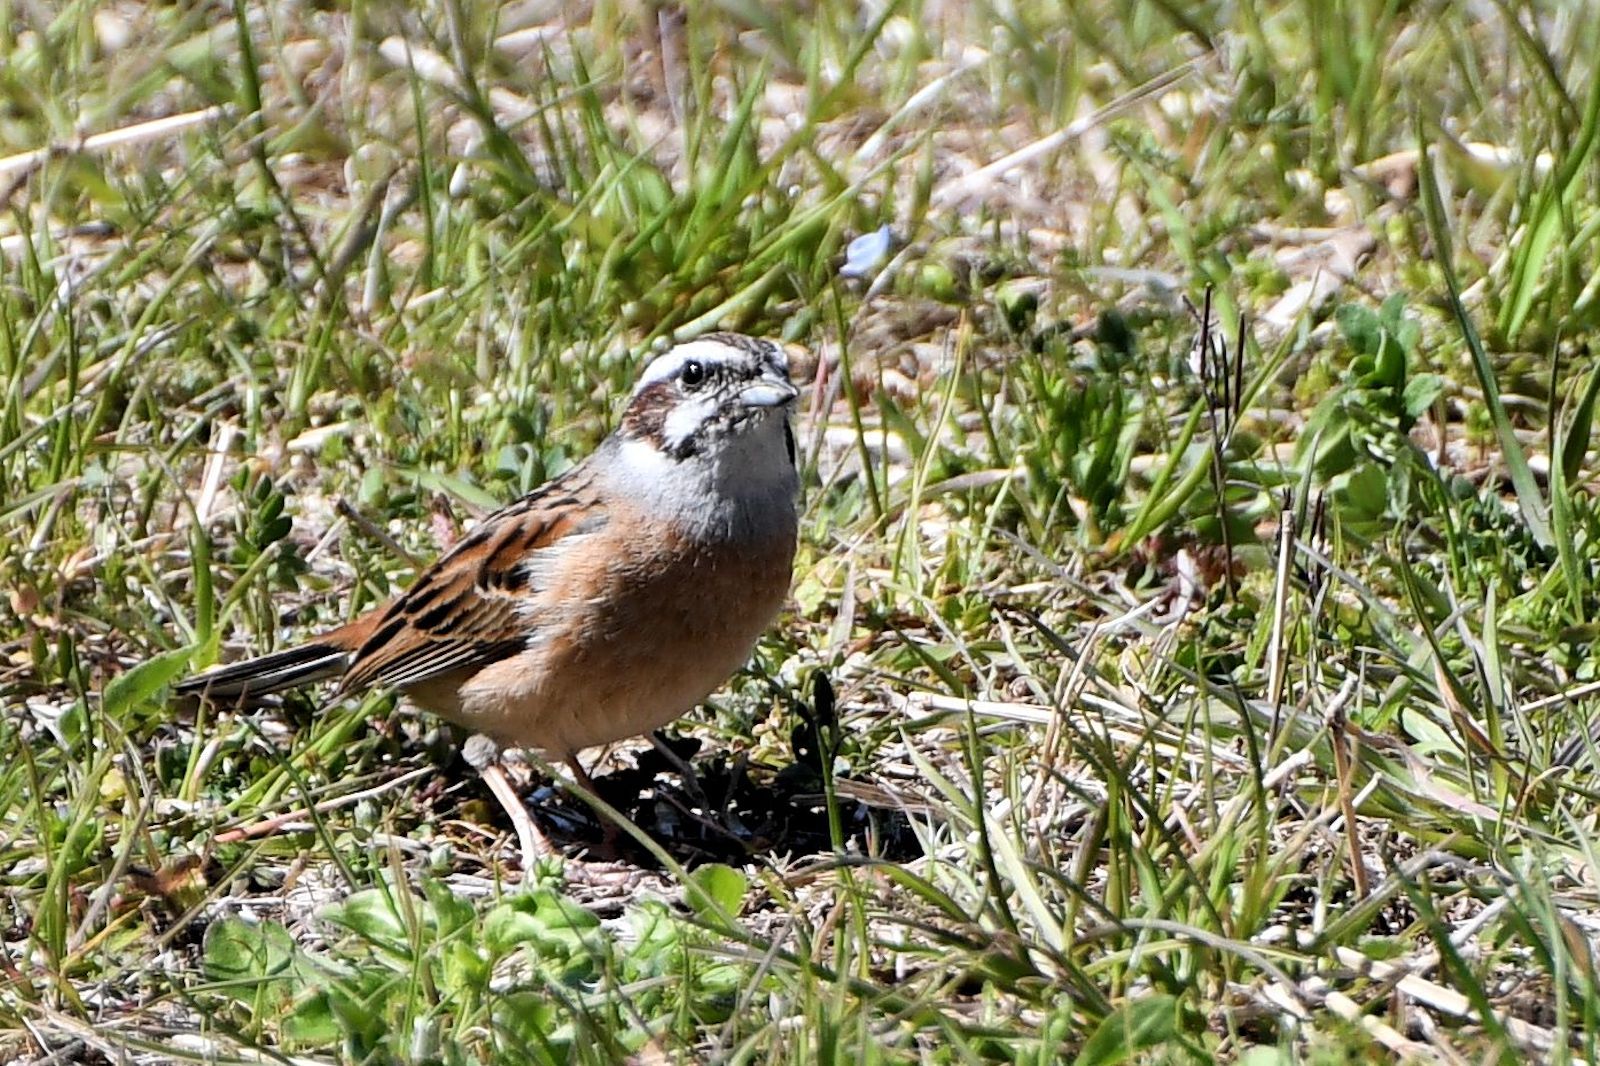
(1360, 327)
(1136, 1026)
(526, 1025)
(312, 1022)
(1420, 393)
(449, 911)
(1389, 365)
(235, 950)
(137, 686)
(371, 914)
(542, 918)
(724, 886)
(1364, 491)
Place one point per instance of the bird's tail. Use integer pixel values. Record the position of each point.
(304, 664)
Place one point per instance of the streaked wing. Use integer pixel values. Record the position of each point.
(471, 608)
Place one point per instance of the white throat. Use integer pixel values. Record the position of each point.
(746, 485)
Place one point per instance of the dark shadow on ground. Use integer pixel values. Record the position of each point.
(731, 812)
(724, 808)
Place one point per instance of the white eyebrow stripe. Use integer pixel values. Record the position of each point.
(667, 366)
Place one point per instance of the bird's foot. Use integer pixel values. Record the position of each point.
(483, 755)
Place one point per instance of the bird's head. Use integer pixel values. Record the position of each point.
(724, 392)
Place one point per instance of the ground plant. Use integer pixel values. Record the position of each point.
(1191, 653)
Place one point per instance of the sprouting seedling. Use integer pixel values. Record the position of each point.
(1219, 368)
(1221, 374)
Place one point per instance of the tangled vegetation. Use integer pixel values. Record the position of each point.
(1192, 647)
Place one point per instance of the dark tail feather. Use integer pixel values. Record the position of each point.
(290, 668)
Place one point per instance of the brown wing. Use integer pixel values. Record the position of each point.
(471, 608)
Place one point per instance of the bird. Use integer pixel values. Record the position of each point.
(602, 605)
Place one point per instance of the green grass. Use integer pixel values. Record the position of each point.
(1128, 708)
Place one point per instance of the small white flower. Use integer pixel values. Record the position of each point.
(867, 253)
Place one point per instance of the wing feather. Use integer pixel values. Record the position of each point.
(473, 606)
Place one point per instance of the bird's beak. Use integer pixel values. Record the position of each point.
(771, 389)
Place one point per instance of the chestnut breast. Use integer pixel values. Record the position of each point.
(630, 632)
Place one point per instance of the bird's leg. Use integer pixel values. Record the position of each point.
(609, 829)
(582, 775)
(691, 781)
(484, 756)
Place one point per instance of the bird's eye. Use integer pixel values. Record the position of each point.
(694, 374)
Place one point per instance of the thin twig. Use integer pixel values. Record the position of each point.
(277, 822)
(138, 133)
(979, 180)
(376, 532)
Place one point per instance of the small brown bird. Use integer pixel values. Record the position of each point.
(608, 601)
